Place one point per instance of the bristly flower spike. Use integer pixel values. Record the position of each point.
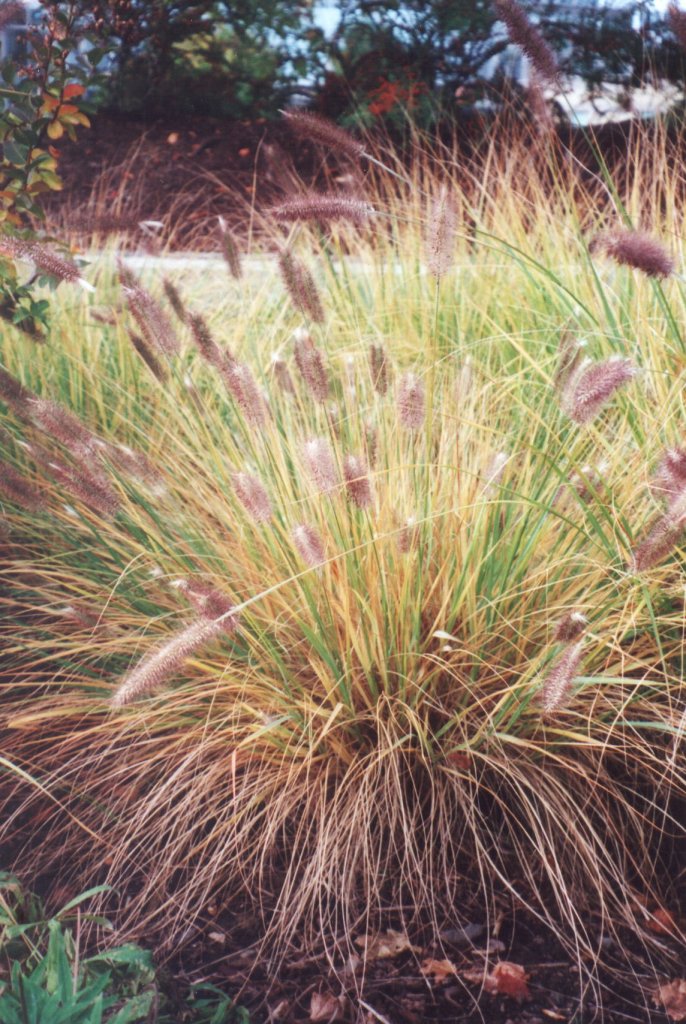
(230, 250)
(323, 132)
(440, 235)
(309, 544)
(319, 460)
(558, 683)
(174, 299)
(157, 667)
(44, 259)
(411, 402)
(15, 487)
(253, 496)
(528, 38)
(380, 367)
(661, 539)
(310, 363)
(635, 249)
(282, 374)
(323, 208)
(592, 386)
(357, 481)
(245, 392)
(301, 287)
(570, 627)
(669, 479)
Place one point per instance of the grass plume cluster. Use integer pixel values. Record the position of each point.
(392, 627)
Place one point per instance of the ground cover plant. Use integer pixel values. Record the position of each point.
(354, 587)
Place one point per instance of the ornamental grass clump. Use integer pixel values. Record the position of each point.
(397, 663)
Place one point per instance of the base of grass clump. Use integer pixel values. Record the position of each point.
(367, 623)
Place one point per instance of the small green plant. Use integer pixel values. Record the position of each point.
(46, 979)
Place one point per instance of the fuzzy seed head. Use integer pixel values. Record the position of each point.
(309, 544)
(205, 343)
(253, 497)
(230, 250)
(153, 322)
(592, 386)
(669, 480)
(380, 367)
(411, 401)
(87, 483)
(58, 423)
(245, 392)
(636, 249)
(164, 661)
(17, 489)
(661, 539)
(174, 299)
(558, 682)
(310, 363)
(323, 208)
(529, 39)
(440, 236)
(319, 460)
(570, 627)
(14, 394)
(44, 259)
(323, 132)
(300, 286)
(357, 481)
(156, 367)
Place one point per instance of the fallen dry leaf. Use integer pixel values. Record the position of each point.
(662, 922)
(672, 998)
(326, 1008)
(437, 970)
(385, 944)
(506, 979)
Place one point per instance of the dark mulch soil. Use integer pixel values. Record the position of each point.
(394, 990)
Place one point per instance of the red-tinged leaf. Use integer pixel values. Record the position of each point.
(662, 922)
(506, 979)
(672, 998)
(72, 90)
(50, 103)
(438, 971)
(67, 108)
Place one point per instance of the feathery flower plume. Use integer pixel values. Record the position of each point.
(208, 601)
(380, 367)
(153, 322)
(230, 250)
(63, 426)
(44, 259)
(538, 105)
(558, 682)
(14, 394)
(90, 485)
(592, 385)
(160, 664)
(570, 627)
(661, 539)
(137, 465)
(314, 206)
(320, 463)
(282, 374)
(301, 287)
(246, 394)
(310, 363)
(676, 19)
(440, 235)
(17, 488)
(528, 38)
(569, 355)
(102, 315)
(147, 355)
(309, 544)
(205, 343)
(371, 442)
(174, 299)
(252, 496)
(635, 249)
(320, 130)
(357, 481)
(411, 401)
(669, 479)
